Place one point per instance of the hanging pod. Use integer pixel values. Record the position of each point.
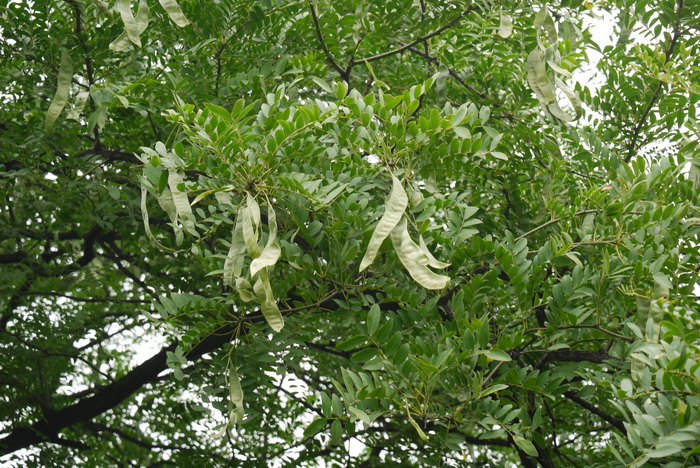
(415, 260)
(65, 75)
(245, 238)
(395, 206)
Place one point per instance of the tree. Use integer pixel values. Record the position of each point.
(363, 233)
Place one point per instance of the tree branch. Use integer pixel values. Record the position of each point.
(553, 221)
(110, 396)
(85, 299)
(451, 71)
(595, 410)
(632, 147)
(591, 327)
(572, 355)
(344, 74)
(398, 50)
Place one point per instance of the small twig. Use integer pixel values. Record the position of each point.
(343, 73)
(88, 62)
(631, 148)
(84, 299)
(451, 71)
(118, 256)
(553, 221)
(301, 401)
(311, 306)
(492, 373)
(398, 50)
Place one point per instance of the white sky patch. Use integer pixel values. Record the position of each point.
(602, 32)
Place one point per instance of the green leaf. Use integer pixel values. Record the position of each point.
(326, 405)
(361, 415)
(336, 432)
(352, 343)
(493, 389)
(364, 355)
(666, 449)
(374, 364)
(496, 355)
(373, 319)
(174, 12)
(323, 84)
(341, 90)
(393, 211)
(462, 132)
(315, 427)
(65, 75)
(526, 446)
(219, 111)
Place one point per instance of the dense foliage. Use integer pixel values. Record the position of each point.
(403, 232)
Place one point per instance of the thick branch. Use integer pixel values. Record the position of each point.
(104, 400)
(112, 395)
(571, 355)
(85, 299)
(591, 327)
(595, 410)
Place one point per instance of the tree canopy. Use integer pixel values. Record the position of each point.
(357, 233)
